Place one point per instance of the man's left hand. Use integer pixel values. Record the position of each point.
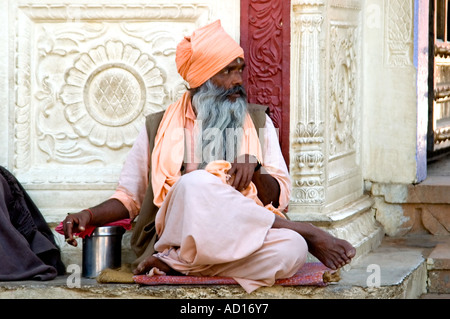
(242, 170)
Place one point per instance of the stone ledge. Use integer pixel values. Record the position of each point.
(433, 190)
(340, 216)
(439, 258)
(439, 281)
(403, 275)
(438, 265)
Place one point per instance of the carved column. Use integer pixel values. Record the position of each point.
(307, 114)
(325, 153)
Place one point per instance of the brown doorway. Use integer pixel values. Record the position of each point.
(265, 38)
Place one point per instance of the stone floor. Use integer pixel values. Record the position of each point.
(438, 180)
(436, 251)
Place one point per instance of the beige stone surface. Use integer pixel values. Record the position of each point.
(403, 277)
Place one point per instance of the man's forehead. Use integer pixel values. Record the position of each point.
(235, 63)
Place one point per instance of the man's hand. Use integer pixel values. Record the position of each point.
(242, 170)
(75, 223)
(109, 211)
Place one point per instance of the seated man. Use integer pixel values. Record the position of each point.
(191, 181)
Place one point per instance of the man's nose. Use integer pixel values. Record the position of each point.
(236, 78)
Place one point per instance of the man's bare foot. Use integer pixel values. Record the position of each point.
(331, 251)
(147, 264)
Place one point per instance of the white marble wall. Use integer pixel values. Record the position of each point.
(355, 109)
(395, 105)
(78, 82)
(394, 115)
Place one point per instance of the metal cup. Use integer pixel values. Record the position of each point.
(101, 250)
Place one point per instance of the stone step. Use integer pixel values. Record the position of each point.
(438, 265)
(390, 271)
(433, 190)
(429, 200)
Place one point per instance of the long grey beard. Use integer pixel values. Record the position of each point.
(221, 122)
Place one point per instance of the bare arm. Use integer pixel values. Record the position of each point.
(268, 187)
(109, 211)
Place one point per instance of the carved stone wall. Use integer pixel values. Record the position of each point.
(83, 76)
(399, 28)
(307, 158)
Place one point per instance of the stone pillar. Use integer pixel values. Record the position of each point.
(326, 115)
(396, 51)
(307, 111)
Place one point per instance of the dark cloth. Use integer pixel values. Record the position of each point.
(28, 250)
(144, 234)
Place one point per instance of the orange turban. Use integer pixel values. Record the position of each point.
(207, 51)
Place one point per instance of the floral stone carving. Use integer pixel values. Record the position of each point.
(108, 89)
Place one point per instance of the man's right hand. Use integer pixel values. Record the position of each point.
(108, 211)
(75, 223)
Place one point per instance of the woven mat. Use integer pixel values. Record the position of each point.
(311, 274)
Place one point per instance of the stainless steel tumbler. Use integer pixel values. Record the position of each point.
(101, 250)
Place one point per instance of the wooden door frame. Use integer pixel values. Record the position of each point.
(265, 38)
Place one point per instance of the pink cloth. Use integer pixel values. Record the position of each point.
(311, 274)
(125, 223)
(207, 228)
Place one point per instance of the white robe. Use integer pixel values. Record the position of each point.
(208, 228)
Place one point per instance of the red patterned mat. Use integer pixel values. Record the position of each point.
(311, 274)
